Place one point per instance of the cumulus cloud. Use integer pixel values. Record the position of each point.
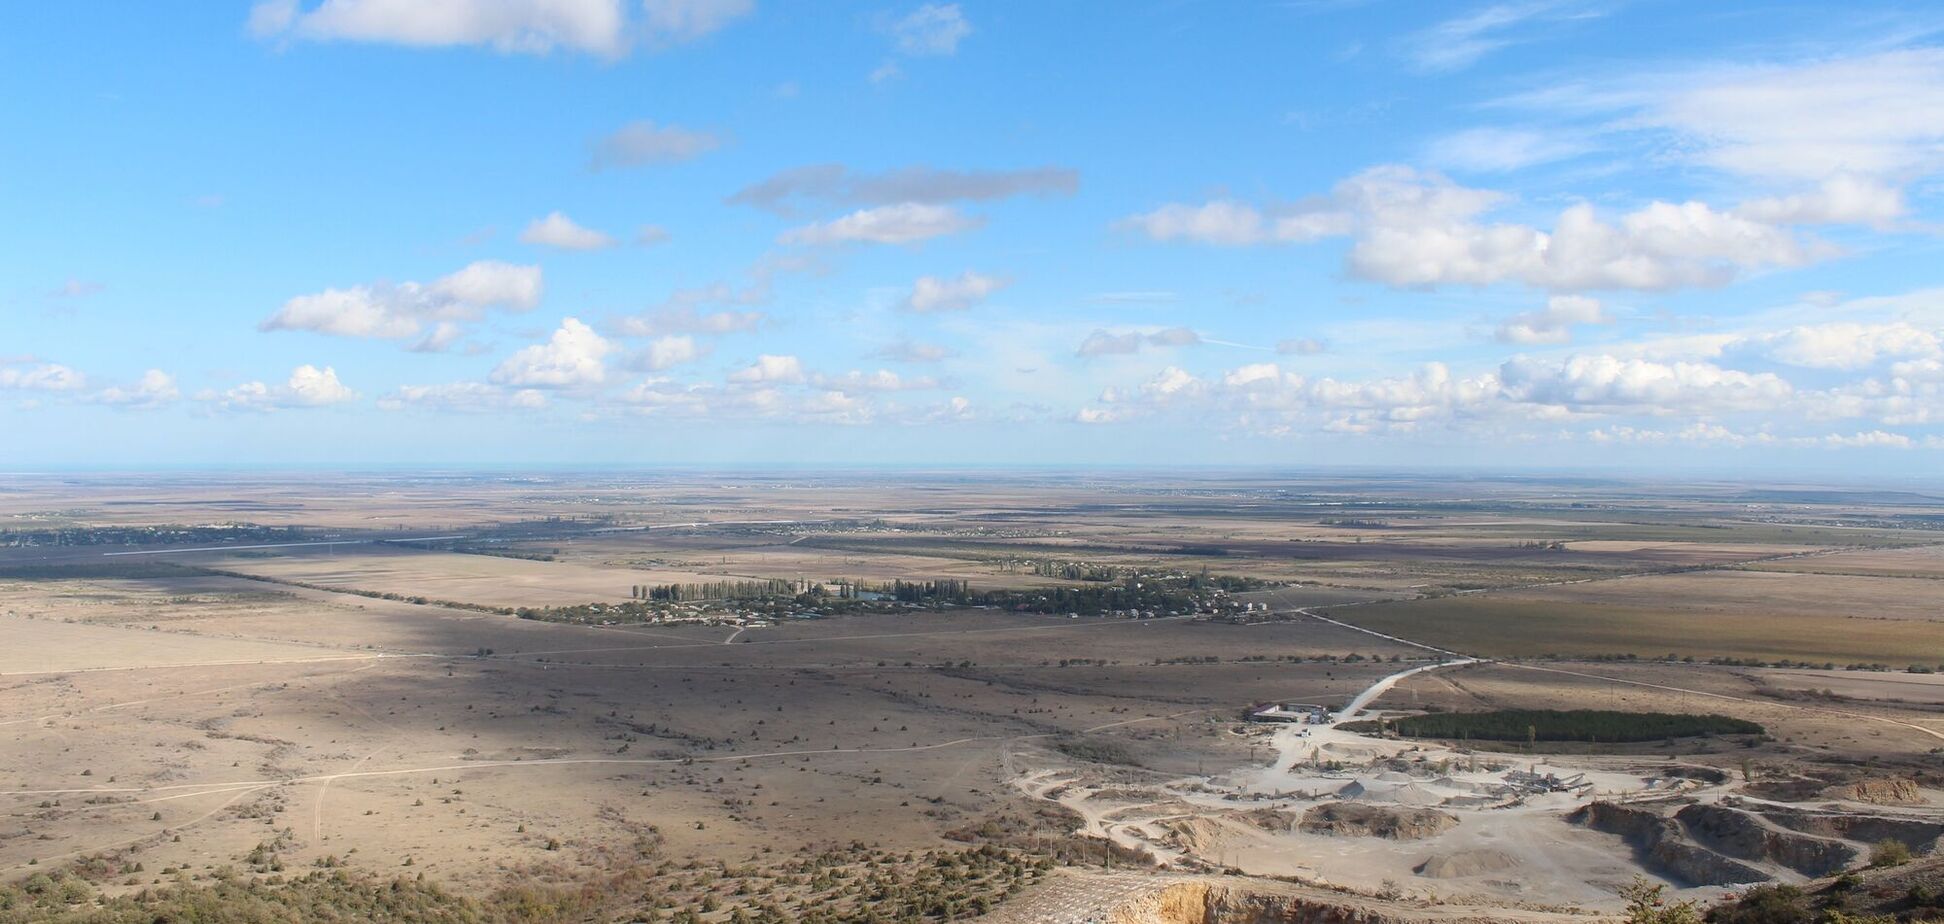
(769, 368)
(307, 387)
(557, 230)
(511, 26)
(935, 293)
(786, 192)
(42, 377)
(572, 358)
(1601, 382)
(932, 29)
(462, 397)
(1107, 343)
(1266, 398)
(155, 389)
(1845, 344)
(643, 143)
(905, 223)
(393, 312)
(1554, 323)
(1417, 229)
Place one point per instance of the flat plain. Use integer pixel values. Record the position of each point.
(341, 680)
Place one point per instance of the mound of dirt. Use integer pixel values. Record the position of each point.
(1199, 836)
(1892, 791)
(1275, 821)
(1465, 863)
(1356, 820)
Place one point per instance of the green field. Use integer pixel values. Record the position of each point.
(1590, 725)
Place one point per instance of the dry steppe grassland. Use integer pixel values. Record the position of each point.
(791, 696)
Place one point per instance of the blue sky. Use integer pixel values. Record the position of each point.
(1634, 235)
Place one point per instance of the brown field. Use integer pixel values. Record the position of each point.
(1924, 562)
(1738, 614)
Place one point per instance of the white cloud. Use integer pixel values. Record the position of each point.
(1458, 43)
(571, 358)
(155, 388)
(642, 143)
(911, 351)
(688, 20)
(904, 223)
(784, 192)
(934, 293)
(465, 397)
(1107, 343)
(1497, 150)
(1873, 439)
(1846, 345)
(932, 29)
(308, 386)
(769, 368)
(1301, 346)
(1554, 323)
(1842, 199)
(1876, 115)
(43, 377)
(1608, 383)
(512, 26)
(651, 235)
(685, 319)
(392, 312)
(557, 230)
(670, 351)
(1415, 229)
(881, 380)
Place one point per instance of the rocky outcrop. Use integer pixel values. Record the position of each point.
(1659, 844)
(1741, 835)
(1355, 820)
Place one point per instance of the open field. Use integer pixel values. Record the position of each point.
(1737, 614)
(160, 713)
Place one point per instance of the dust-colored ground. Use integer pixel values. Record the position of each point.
(305, 707)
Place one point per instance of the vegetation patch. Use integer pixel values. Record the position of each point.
(1097, 750)
(1595, 725)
